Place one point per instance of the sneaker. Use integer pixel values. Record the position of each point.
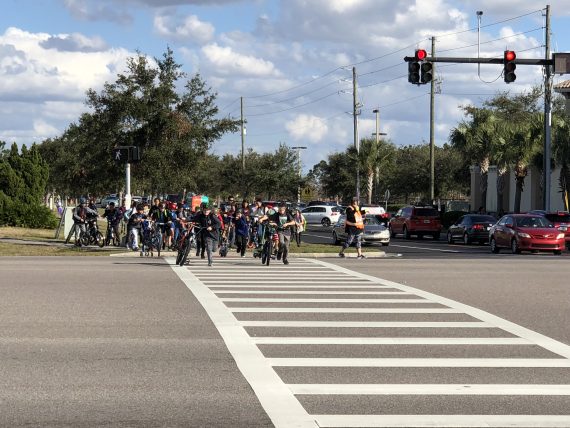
(209, 263)
(341, 255)
(285, 261)
(202, 256)
(278, 256)
(362, 256)
(243, 256)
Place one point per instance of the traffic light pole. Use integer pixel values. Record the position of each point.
(432, 130)
(500, 61)
(128, 185)
(355, 117)
(547, 116)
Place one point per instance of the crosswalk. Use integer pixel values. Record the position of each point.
(324, 346)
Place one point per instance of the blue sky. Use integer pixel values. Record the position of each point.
(52, 51)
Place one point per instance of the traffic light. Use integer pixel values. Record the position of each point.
(510, 66)
(414, 72)
(121, 154)
(427, 72)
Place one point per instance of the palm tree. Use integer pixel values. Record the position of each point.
(561, 151)
(371, 157)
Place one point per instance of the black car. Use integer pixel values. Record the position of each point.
(471, 228)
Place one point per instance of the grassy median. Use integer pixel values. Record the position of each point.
(9, 249)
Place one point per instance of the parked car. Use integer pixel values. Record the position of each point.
(560, 219)
(418, 221)
(322, 203)
(471, 228)
(374, 231)
(526, 232)
(322, 214)
(108, 199)
(137, 199)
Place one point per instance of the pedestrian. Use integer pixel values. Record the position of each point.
(210, 224)
(354, 227)
(59, 207)
(79, 219)
(301, 224)
(241, 227)
(284, 221)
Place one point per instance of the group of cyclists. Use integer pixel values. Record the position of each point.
(164, 225)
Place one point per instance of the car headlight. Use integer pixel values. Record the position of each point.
(523, 235)
(560, 236)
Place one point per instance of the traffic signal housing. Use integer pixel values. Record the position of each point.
(420, 71)
(509, 67)
(426, 72)
(414, 72)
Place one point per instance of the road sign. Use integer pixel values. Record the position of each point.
(307, 194)
(561, 63)
(387, 195)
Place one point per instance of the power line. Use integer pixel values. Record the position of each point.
(492, 41)
(294, 107)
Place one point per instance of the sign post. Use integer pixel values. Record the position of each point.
(386, 198)
(127, 154)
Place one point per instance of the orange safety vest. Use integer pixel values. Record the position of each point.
(358, 218)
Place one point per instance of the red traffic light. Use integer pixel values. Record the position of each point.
(510, 55)
(421, 54)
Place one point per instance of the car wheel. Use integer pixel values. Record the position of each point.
(336, 241)
(449, 238)
(557, 252)
(515, 247)
(494, 248)
(466, 239)
(325, 222)
(392, 233)
(406, 233)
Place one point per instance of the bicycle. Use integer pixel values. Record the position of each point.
(92, 236)
(111, 237)
(271, 243)
(189, 241)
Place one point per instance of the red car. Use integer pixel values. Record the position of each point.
(560, 219)
(418, 221)
(526, 232)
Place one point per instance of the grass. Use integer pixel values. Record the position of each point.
(27, 234)
(326, 248)
(46, 250)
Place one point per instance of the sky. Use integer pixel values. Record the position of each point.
(291, 61)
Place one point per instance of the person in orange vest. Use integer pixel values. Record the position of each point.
(354, 227)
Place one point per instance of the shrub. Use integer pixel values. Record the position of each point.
(450, 217)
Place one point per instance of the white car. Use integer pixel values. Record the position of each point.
(321, 214)
(374, 231)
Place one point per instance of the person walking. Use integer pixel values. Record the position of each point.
(284, 221)
(301, 224)
(241, 230)
(354, 227)
(210, 224)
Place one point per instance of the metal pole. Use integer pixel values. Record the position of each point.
(377, 111)
(128, 185)
(299, 148)
(547, 114)
(355, 118)
(242, 139)
(432, 129)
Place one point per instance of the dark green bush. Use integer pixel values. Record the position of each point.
(450, 217)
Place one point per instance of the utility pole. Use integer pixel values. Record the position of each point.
(242, 139)
(299, 148)
(355, 118)
(377, 111)
(547, 114)
(432, 130)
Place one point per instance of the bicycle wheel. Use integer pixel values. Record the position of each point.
(99, 239)
(186, 252)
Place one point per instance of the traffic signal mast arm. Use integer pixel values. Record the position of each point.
(463, 60)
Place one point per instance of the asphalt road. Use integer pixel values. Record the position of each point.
(137, 342)
(424, 248)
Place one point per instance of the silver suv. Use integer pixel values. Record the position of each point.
(322, 214)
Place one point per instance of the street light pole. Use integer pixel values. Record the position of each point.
(299, 148)
(355, 124)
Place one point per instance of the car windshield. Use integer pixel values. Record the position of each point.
(534, 221)
(335, 209)
(483, 219)
(372, 221)
(558, 218)
(426, 212)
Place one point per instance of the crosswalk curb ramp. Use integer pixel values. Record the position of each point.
(324, 346)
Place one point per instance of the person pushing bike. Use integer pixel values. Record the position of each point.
(284, 221)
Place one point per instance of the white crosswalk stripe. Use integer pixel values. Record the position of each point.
(287, 325)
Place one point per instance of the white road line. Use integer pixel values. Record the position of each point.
(424, 248)
(460, 421)
(421, 362)
(390, 341)
(539, 339)
(324, 310)
(286, 300)
(318, 293)
(274, 274)
(274, 282)
(364, 324)
(320, 287)
(277, 400)
(428, 389)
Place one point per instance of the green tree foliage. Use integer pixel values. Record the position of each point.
(144, 107)
(23, 180)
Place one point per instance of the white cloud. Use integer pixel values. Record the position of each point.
(43, 129)
(189, 30)
(75, 42)
(307, 127)
(227, 61)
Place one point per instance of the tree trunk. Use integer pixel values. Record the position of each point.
(370, 185)
(518, 194)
